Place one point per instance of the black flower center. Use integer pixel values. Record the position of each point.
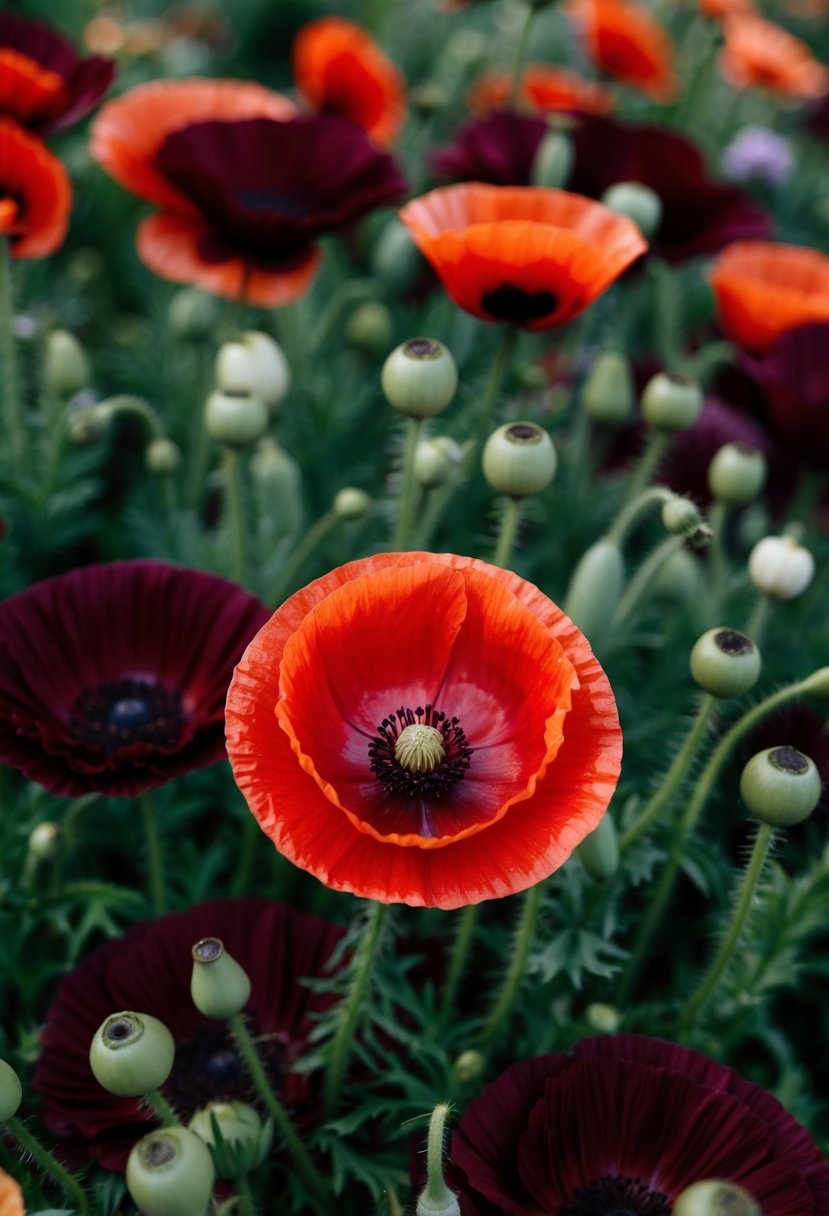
(510, 303)
(123, 712)
(268, 201)
(409, 779)
(209, 1068)
(615, 1196)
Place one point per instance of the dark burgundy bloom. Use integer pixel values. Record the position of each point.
(44, 84)
(499, 149)
(148, 970)
(792, 378)
(113, 677)
(623, 1125)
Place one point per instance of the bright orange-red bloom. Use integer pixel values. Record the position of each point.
(724, 8)
(530, 256)
(759, 54)
(531, 744)
(11, 1196)
(542, 88)
(629, 44)
(35, 194)
(764, 289)
(338, 67)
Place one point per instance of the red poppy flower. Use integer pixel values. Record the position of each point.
(542, 88)
(44, 85)
(513, 725)
(763, 290)
(148, 970)
(627, 43)
(626, 1123)
(760, 54)
(113, 677)
(533, 257)
(11, 1197)
(244, 195)
(35, 194)
(724, 8)
(339, 68)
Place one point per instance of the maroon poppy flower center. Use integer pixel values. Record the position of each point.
(615, 1196)
(510, 303)
(413, 767)
(124, 712)
(267, 201)
(208, 1068)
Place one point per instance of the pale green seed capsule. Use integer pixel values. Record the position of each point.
(193, 314)
(351, 504)
(163, 457)
(238, 1139)
(369, 328)
(737, 474)
(606, 1019)
(671, 403)
(680, 516)
(639, 203)
(66, 367)
(272, 375)
(218, 985)
(170, 1173)
(725, 663)
(131, 1054)
(435, 461)
(519, 459)
(469, 1065)
(419, 377)
(11, 1092)
(715, 1197)
(553, 160)
(781, 786)
(608, 394)
(236, 420)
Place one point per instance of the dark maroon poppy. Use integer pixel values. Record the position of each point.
(624, 1124)
(148, 970)
(499, 149)
(113, 677)
(44, 84)
(792, 379)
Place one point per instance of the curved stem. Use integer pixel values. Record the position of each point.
(313, 537)
(508, 532)
(407, 485)
(635, 505)
(642, 579)
(457, 966)
(750, 879)
(652, 453)
(66, 1181)
(155, 867)
(12, 410)
(758, 618)
(524, 938)
(234, 514)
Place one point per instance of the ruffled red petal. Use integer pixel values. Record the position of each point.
(35, 189)
(627, 42)
(760, 54)
(764, 290)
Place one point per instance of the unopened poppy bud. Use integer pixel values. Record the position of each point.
(435, 461)
(604, 1018)
(608, 394)
(89, 423)
(519, 459)
(725, 663)
(639, 203)
(192, 314)
(11, 1092)
(66, 367)
(595, 587)
(716, 1197)
(680, 516)
(599, 851)
(46, 841)
(218, 985)
(369, 328)
(436, 1199)
(131, 1054)
(170, 1173)
(395, 259)
(737, 474)
(531, 377)
(671, 403)
(780, 786)
(781, 567)
(235, 419)
(238, 1139)
(469, 1066)
(553, 160)
(163, 457)
(420, 377)
(351, 504)
(272, 375)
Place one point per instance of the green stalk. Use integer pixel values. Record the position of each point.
(508, 995)
(66, 1181)
(520, 54)
(759, 617)
(750, 879)
(315, 535)
(636, 505)
(155, 867)
(457, 966)
(12, 407)
(407, 486)
(654, 450)
(157, 1102)
(642, 579)
(508, 531)
(234, 513)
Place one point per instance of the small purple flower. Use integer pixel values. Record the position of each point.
(758, 154)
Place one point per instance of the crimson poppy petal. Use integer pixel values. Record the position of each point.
(35, 194)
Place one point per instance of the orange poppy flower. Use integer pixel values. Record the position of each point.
(338, 67)
(11, 1196)
(530, 256)
(627, 43)
(542, 88)
(35, 194)
(760, 54)
(515, 748)
(724, 8)
(763, 290)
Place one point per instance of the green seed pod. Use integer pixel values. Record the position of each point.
(435, 461)
(606, 1019)
(553, 160)
(469, 1065)
(11, 1092)
(238, 1139)
(680, 516)
(595, 587)
(193, 314)
(599, 851)
(235, 369)
(131, 1054)
(278, 481)
(780, 786)
(737, 474)
(272, 375)
(236, 420)
(781, 567)
(351, 504)
(369, 328)
(608, 394)
(725, 663)
(671, 403)
(170, 1173)
(46, 841)
(162, 457)
(716, 1197)
(218, 985)
(65, 366)
(519, 459)
(420, 377)
(639, 203)
(89, 423)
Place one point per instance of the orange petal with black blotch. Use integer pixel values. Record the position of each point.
(128, 132)
(39, 186)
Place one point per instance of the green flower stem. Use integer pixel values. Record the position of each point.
(365, 955)
(672, 781)
(314, 537)
(436, 1195)
(457, 966)
(759, 617)
(157, 1102)
(304, 1166)
(508, 995)
(155, 867)
(352, 291)
(235, 514)
(635, 506)
(520, 55)
(201, 444)
(136, 407)
(508, 531)
(696, 805)
(12, 407)
(49, 1165)
(748, 887)
(654, 450)
(407, 486)
(251, 834)
(244, 1194)
(638, 586)
(717, 519)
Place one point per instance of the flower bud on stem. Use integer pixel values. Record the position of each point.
(436, 1199)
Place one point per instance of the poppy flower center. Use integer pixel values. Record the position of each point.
(208, 1068)
(123, 712)
(510, 303)
(268, 202)
(420, 751)
(615, 1196)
